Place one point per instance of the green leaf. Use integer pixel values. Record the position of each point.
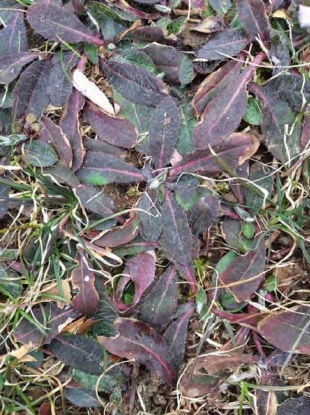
(202, 304)
(232, 232)
(185, 143)
(271, 283)
(253, 114)
(176, 26)
(224, 263)
(247, 229)
(10, 282)
(92, 52)
(137, 57)
(106, 384)
(40, 154)
(186, 71)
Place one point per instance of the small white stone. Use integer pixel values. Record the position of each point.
(86, 279)
(304, 16)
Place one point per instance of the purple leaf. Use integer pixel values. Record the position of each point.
(139, 269)
(83, 278)
(176, 234)
(79, 351)
(244, 274)
(148, 34)
(81, 398)
(149, 217)
(56, 23)
(163, 134)
(137, 340)
(236, 185)
(288, 330)
(95, 200)
(214, 84)
(295, 406)
(223, 114)
(230, 42)
(53, 135)
(62, 174)
(276, 116)
(100, 169)
(204, 213)
(166, 58)
(52, 320)
(59, 87)
(177, 239)
(254, 19)
(13, 38)
(102, 147)
(119, 235)
(29, 95)
(134, 83)
(160, 303)
(290, 87)
(114, 130)
(12, 64)
(70, 126)
(175, 334)
(233, 152)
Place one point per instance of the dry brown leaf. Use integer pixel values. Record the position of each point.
(81, 326)
(21, 354)
(53, 289)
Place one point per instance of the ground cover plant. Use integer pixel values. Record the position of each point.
(154, 207)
